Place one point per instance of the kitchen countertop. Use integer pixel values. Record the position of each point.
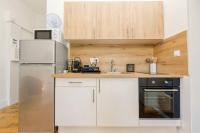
(113, 75)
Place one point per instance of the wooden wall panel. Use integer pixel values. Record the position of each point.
(167, 62)
(122, 55)
(136, 54)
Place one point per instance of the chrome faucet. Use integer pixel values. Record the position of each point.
(112, 66)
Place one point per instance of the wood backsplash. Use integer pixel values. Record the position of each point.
(136, 54)
(121, 54)
(167, 62)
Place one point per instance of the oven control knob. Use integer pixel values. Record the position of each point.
(153, 82)
(166, 82)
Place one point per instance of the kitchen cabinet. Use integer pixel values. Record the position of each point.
(107, 20)
(79, 20)
(118, 104)
(75, 102)
(106, 102)
(101, 22)
(129, 20)
(146, 21)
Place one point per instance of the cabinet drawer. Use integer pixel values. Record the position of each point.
(75, 82)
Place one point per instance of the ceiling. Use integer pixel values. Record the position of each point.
(37, 5)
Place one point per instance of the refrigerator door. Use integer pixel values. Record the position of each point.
(36, 102)
(61, 57)
(37, 51)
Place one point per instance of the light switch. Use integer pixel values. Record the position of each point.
(177, 53)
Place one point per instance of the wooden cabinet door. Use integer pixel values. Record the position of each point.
(107, 23)
(79, 20)
(146, 20)
(117, 103)
(75, 106)
(113, 20)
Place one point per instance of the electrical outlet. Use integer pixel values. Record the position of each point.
(94, 60)
(177, 53)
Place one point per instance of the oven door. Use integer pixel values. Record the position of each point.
(160, 103)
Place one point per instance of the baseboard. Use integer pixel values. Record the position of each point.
(3, 103)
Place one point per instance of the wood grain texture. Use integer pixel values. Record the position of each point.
(115, 75)
(116, 41)
(146, 21)
(79, 20)
(113, 20)
(169, 64)
(121, 54)
(9, 119)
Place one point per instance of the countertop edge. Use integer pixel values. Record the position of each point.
(122, 75)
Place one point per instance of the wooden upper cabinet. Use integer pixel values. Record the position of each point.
(79, 20)
(108, 20)
(149, 18)
(114, 20)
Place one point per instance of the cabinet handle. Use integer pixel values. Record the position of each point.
(161, 90)
(99, 87)
(75, 82)
(93, 94)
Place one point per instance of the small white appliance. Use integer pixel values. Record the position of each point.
(50, 34)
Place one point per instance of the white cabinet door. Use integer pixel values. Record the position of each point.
(117, 102)
(75, 106)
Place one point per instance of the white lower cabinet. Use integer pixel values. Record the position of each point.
(109, 102)
(117, 102)
(75, 105)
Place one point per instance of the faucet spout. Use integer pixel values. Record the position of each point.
(112, 65)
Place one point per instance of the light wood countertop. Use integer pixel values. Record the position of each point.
(113, 75)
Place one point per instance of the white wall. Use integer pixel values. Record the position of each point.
(2, 68)
(185, 106)
(175, 16)
(57, 7)
(26, 17)
(194, 63)
(40, 21)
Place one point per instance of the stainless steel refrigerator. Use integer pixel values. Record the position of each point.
(39, 59)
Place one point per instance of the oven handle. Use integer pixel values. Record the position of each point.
(161, 90)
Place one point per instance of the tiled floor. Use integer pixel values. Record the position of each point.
(9, 119)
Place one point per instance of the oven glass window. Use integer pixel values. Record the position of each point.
(158, 104)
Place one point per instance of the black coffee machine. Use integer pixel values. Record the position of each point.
(76, 67)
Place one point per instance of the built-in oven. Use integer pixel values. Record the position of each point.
(159, 98)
